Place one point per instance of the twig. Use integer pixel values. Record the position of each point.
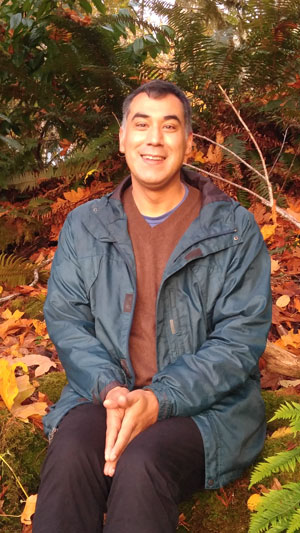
(280, 151)
(15, 476)
(281, 212)
(231, 152)
(32, 284)
(115, 116)
(266, 175)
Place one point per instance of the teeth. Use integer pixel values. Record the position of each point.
(154, 157)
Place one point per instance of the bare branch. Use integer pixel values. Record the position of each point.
(267, 203)
(231, 152)
(266, 175)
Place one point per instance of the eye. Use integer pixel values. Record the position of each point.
(170, 127)
(141, 125)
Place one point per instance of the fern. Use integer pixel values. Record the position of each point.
(15, 270)
(295, 522)
(279, 510)
(285, 461)
(275, 510)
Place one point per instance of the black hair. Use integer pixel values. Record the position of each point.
(159, 89)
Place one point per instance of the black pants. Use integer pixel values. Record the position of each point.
(160, 467)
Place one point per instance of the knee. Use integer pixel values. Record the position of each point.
(139, 460)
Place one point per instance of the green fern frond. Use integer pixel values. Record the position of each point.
(276, 509)
(15, 270)
(289, 410)
(285, 461)
(294, 526)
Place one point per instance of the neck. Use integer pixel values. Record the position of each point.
(154, 202)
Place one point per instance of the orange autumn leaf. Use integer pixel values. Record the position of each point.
(75, 196)
(199, 156)
(268, 230)
(297, 304)
(253, 502)
(281, 432)
(65, 145)
(290, 339)
(8, 315)
(40, 328)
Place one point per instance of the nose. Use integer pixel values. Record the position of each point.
(154, 135)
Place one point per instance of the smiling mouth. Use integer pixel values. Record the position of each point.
(149, 157)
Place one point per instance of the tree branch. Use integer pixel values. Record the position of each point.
(266, 175)
(280, 211)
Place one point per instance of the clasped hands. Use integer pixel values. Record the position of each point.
(128, 414)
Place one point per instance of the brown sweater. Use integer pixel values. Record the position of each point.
(152, 248)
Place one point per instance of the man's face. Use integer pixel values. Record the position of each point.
(154, 140)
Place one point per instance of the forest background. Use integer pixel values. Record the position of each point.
(65, 68)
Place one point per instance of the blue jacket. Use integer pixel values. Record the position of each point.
(212, 319)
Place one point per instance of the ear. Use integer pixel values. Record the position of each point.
(189, 144)
(121, 140)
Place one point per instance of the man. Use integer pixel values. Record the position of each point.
(159, 306)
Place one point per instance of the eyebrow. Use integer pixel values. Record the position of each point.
(167, 117)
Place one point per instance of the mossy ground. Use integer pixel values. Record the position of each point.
(24, 447)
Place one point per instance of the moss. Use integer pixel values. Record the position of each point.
(52, 384)
(23, 447)
(273, 400)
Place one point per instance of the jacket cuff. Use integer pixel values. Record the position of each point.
(108, 387)
(165, 405)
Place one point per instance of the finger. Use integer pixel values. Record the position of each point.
(113, 424)
(127, 432)
(110, 468)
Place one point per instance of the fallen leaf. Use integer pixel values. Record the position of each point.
(268, 230)
(8, 315)
(42, 362)
(276, 485)
(8, 384)
(274, 265)
(297, 304)
(289, 383)
(291, 339)
(281, 432)
(25, 390)
(29, 509)
(283, 301)
(253, 502)
(25, 411)
(40, 328)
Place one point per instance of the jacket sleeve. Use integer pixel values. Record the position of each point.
(240, 324)
(90, 370)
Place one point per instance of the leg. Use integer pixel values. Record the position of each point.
(159, 468)
(73, 491)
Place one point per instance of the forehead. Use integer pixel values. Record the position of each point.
(156, 107)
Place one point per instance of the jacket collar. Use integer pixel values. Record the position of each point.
(107, 221)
